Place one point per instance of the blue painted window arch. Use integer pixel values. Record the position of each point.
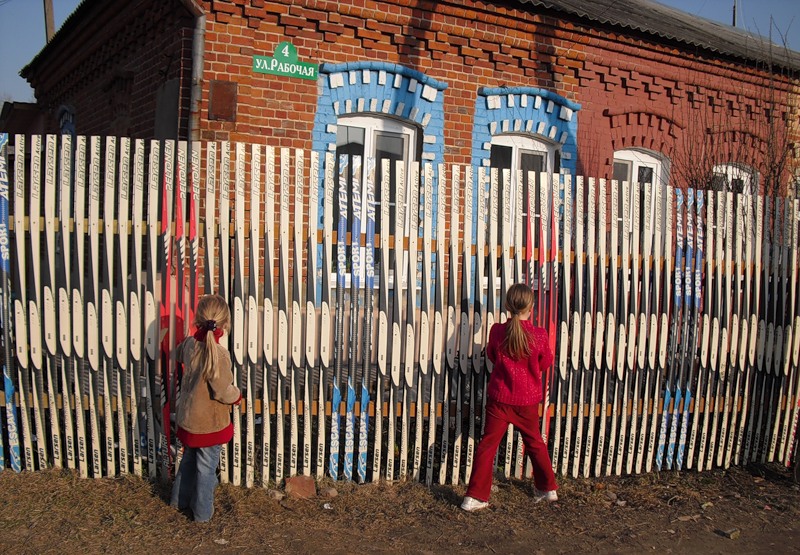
(397, 100)
(524, 128)
(384, 110)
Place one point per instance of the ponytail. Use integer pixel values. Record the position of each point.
(213, 317)
(517, 342)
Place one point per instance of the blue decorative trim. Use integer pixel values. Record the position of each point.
(534, 112)
(544, 93)
(380, 89)
(383, 66)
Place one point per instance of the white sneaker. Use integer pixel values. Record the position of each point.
(471, 504)
(548, 496)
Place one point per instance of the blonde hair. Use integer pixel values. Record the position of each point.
(517, 342)
(212, 313)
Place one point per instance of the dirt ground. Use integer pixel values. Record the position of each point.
(742, 510)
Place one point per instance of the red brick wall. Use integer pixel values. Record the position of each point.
(461, 46)
(634, 93)
(111, 66)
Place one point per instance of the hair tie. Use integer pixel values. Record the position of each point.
(205, 328)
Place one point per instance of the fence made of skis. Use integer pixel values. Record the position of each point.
(362, 295)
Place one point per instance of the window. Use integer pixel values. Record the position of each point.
(517, 153)
(736, 178)
(643, 167)
(380, 139)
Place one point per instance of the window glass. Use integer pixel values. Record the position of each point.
(379, 139)
(648, 168)
(521, 155)
(737, 178)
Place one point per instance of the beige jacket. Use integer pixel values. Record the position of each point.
(205, 407)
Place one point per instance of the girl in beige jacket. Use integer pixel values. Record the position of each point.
(204, 407)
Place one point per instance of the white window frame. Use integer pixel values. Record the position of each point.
(735, 170)
(524, 144)
(641, 158)
(373, 126)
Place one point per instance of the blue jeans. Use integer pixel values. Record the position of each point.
(196, 480)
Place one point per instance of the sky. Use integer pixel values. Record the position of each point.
(22, 32)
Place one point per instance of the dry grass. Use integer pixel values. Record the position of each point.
(54, 511)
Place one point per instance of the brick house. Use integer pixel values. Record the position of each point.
(628, 89)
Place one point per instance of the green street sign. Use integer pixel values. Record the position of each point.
(284, 63)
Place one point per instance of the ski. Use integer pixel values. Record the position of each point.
(326, 308)
(19, 285)
(647, 336)
(561, 354)
(107, 305)
(624, 376)
(479, 315)
(209, 221)
(369, 286)
(64, 292)
(439, 334)
(565, 353)
(425, 379)
(48, 306)
(729, 328)
(674, 328)
(410, 353)
(749, 325)
(611, 329)
(268, 322)
(35, 299)
(151, 302)
(312, 308)
(135, 317)
(341, 271)
(602, 363)
(633, 358)
(699, 301)
(717, 325)
(658, 318)
(689, 338)
(397, 320)
(296, 322)
(283, 329)
(707, 366)
(92, 303)
(9, 387)
(177, 272)
(577, 311)
(356, 304)
(120, 298)
(780, 426)
(792, 437)
(224, 251)
(237, 333)
(589, 342)
(739, 321)
(452, 377)
(552, 324)
(251, 368)
(382, 348)
(492, 311)
(777, 382)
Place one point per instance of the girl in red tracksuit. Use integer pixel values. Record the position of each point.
(520, 353)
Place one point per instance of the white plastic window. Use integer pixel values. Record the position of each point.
(523, 153)
(380, 139)
(737, 178)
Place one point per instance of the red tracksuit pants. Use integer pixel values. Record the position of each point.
(525, 420)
